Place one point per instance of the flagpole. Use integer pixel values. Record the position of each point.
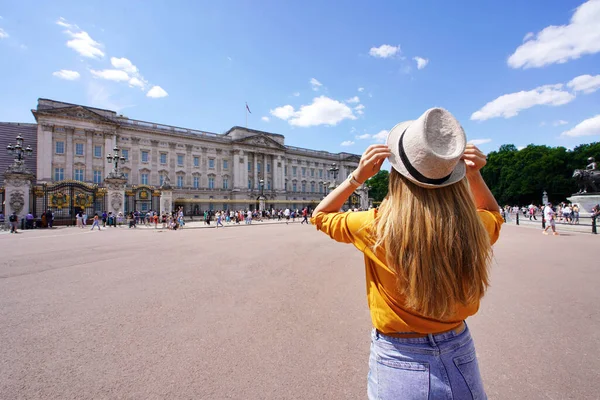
(246, 117)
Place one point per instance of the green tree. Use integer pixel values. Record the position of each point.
(378, 185)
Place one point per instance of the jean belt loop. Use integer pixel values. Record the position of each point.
(431, 340)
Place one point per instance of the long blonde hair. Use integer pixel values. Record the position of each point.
(436, 244)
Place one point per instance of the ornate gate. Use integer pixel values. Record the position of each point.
(142, 198)
(66, 198)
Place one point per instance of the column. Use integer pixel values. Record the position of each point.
(235, 165)
(282, 174)
(69, 151)
(265, 173)
(255, 183)
(109, 144)
(154, 166)
(188, 161)
(89, 155)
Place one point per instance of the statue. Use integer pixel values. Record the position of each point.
(588, 177)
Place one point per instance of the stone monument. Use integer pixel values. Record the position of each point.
(588, 180)
(17, 181)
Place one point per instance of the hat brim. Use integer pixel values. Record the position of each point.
(393, 142)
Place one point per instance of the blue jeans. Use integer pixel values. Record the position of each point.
(442, 366)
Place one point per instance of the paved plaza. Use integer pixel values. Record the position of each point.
(269, 311)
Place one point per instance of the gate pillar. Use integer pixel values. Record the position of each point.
(115, 195)
(166, 197)
(17, 189)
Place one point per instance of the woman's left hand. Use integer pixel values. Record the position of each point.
(371, 161)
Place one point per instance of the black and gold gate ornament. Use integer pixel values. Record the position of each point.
(59, 200)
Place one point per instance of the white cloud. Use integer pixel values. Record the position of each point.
(322, 111)
(266, 119)
(520, 148)
(111, 75)
(284, 113)
(560, 122)
(361, 89)
(365, 136)
(347, 143)
(156, 92)
(136, 82)
(384, 51)
(63, 22)
(528, 36)
(82, 43)
(559, 44)
(3, 34)
(478, 142)
(588, 127)
(124, 64)
(315, 84)
(296, 94)
(381, 136)
(359, 109)
(509, 105)
(354, 99)
(421, 62)
(66, 74)
(543, 123)
(585, 83)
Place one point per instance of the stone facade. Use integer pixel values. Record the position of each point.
(206, 170)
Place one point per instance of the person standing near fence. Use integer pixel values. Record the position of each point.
(575, 211)
(550, 217)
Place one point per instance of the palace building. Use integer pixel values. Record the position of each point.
(234, 170)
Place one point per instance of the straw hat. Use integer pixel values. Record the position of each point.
(427, 151)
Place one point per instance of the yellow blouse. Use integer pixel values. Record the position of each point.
(388, 312)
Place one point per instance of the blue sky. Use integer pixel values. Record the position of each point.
(326, 75)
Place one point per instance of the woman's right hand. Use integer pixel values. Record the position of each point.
(474, 159)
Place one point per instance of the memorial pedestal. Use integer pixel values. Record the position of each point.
(585, 201)
(115, 194)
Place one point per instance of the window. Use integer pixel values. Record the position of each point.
(249, 166)
(320, 173)
(312, 187)
(312, 172)
(211, 182)
(304, 186)
(161, 179)
(98, 152)
(196, 182)
(249, 183)
(59, 174)
(294, 187)
(294, 170)
(268, 168)
(79, 175)
(179, 181)
(268, 184)
(225, 183)
(124, 153)
(320, 188)
(303, 171)
(144, 156)
(225, 164)
(258, 167)
(163, 158)
(78, 149)
(180, 160)
(60, 147)
(196, 161)
(211, 163)
(97, 176)
(126, 175)
(144, 179)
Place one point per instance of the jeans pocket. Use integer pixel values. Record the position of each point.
(398, 379)
(469, 369)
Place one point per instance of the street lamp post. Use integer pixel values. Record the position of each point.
(115, 159)
(334, 169)
(19, 153)
(261, 198)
